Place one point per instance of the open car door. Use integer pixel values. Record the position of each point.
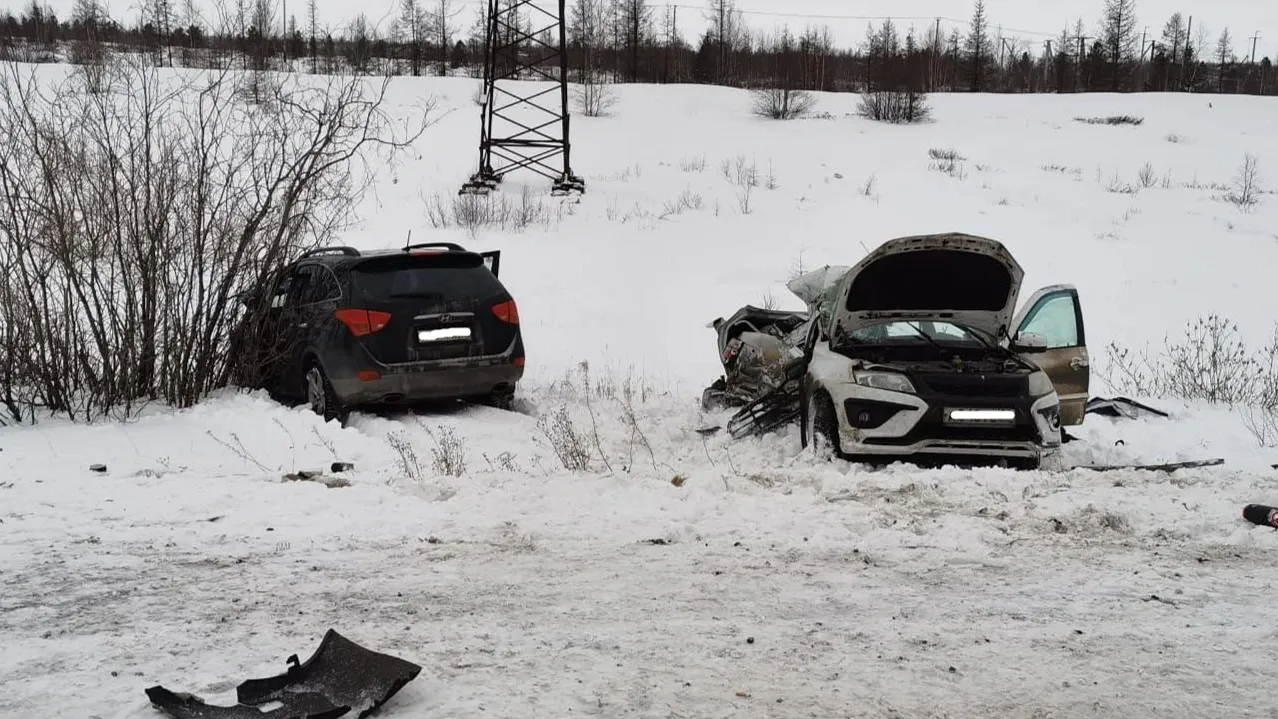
(1049, 333)
(492, 260)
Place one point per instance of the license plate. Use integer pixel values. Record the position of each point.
(445, 334)
(980, 416)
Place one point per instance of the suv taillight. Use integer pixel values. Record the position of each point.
(363, 322)
(507, 312)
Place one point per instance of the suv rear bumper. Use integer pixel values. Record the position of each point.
(461, 378)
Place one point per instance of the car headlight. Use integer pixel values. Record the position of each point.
(891, 381)
(1040, 384)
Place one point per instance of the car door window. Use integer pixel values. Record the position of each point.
(1055, 318)
(300, 282)
(324, 287)
(279, 296)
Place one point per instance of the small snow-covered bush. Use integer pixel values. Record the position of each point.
(567, 440)
(1245, 190)
(449, 452)
(1211, 363)
(894, 106)
(948, 162)
(473, 212)
(593, 96)
(782, 103)
(1112, 120)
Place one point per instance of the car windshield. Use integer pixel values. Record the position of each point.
(907, 334)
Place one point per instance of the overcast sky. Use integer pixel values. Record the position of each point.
(1031, 20)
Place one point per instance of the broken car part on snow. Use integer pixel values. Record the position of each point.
(1261, 514)
(342, 679)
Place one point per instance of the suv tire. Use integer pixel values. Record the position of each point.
(320, 395)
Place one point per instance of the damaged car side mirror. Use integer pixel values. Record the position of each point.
(1029, 342)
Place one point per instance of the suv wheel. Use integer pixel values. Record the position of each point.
(501, 400)
(321, 397)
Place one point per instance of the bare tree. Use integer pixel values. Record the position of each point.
(592, 95)
(409, 30)
(977, 47)
(135, 226)
(440, 28)
(1224, 58)
(1118, 33)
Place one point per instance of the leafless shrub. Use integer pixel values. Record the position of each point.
(593, 96)
(770, 180)
(894, 106)
(1118, 187)
(473, 212)
(1112, 120)
(745, 204)
(687, 200)
(948, 162)
(693, 164)
(1211, 363)
(567, 441)
(136, 224)
(1174, 138)
(1245, 191)
(867, 188)
(479, 97)
(405, 456)
(769, 301)
(449, 452)
(238, 449)
(1059, 168)
(782, 103)
(1147, 177)
(740, 171)
(945, 155)
(631, 419)
(504, 461)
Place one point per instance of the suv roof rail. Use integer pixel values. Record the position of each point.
(450, 246)
(344, 251)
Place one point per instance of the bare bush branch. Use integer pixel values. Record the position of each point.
(1245, 191)
(782, 103)
(894, 106)
(136, 224)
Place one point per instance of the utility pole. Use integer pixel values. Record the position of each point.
(1254, 39)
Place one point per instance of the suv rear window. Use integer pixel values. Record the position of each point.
(448, 277)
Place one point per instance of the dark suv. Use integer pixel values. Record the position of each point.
(341, 329)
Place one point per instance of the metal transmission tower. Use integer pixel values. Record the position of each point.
(524, 125)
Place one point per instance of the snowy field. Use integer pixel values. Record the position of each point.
(686, 576)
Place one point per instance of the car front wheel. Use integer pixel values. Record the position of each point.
(821, 425)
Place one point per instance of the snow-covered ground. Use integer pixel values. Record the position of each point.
(527, 590)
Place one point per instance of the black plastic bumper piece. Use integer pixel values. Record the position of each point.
(342, 679)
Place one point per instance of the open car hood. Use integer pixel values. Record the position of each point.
(964, 279)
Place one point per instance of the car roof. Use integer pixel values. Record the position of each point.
(343, 255)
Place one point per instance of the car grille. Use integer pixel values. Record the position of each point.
(977, 385)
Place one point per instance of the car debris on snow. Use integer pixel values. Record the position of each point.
(1261, 514)
(318, 478)
(1122, 408)
(1164, 467)
(342, 679)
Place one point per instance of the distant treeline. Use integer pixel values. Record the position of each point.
(640, 41)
